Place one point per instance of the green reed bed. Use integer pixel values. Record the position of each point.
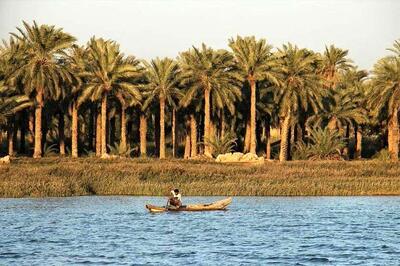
(47, 177)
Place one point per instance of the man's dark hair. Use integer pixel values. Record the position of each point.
(176, 191)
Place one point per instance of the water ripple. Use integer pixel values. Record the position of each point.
(255, 231)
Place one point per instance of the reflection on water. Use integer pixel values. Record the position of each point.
(255, 230)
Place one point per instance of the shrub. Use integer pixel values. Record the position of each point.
(117, 149)
(221, 145)
(323, 144)
(382, 155)
(301, 151)
(50, 150)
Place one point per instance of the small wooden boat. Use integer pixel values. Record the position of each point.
(215, 206)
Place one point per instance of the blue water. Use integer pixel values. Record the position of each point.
(254, 231)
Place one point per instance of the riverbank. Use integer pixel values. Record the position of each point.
(58, 177)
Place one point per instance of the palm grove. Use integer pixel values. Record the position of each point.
(59, 97)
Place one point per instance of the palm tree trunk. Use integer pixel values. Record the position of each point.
(193, 136)
(61, 135)
(143, 133)
(123, 129)
(10, 136)
(74, 131)
(207, 150)
(246, 146)
(358, 136)
(268, 140)
(253, 143)
(162, 128)
(31, 128)
(283, 155)
(186, 154)
(211, 136)
(347, 142)
(98, 133)
(393, 136)
(157, 132)
(104, 124)
(37, 152)
(173, 132)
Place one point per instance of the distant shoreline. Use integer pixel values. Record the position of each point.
(64, 177)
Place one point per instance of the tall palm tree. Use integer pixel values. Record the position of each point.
(385, 98)
(77, 60)
(11, 90)
(106, 74)
(269, 112)
(40, 71)
(256, 62)
(162, 83)
(208, 72)
(334, 61)
(299, 88)
(129, 95)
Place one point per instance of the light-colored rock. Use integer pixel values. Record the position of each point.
(5, 160)
(108, 156)
(223, 157)
(249, 157)
(234, 157)
(238, 157)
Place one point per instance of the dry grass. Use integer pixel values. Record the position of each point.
(89, 176)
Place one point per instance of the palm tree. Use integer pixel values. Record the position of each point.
(129, 95)
(334, 61)
(11, 90)
(396, 48)
(143, 134)
(256, 62)
(40, 71)
(208, 72)
(299, 88)
(77, 60)
(106, 74)
(385, 100)
(11, 103)
(343, 108)
(269, 112)
(162, 83)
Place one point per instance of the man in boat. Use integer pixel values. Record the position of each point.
(175, 201)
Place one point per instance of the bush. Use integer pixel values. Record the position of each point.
(301, 151)
(382, 155)
(323, 144)
(117, 149)
(221, 145)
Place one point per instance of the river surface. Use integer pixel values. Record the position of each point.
(254, 231)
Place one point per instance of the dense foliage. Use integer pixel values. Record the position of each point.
(287, 102)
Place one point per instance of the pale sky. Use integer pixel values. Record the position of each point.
(150, 28)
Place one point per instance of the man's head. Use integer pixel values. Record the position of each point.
(176, 191)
